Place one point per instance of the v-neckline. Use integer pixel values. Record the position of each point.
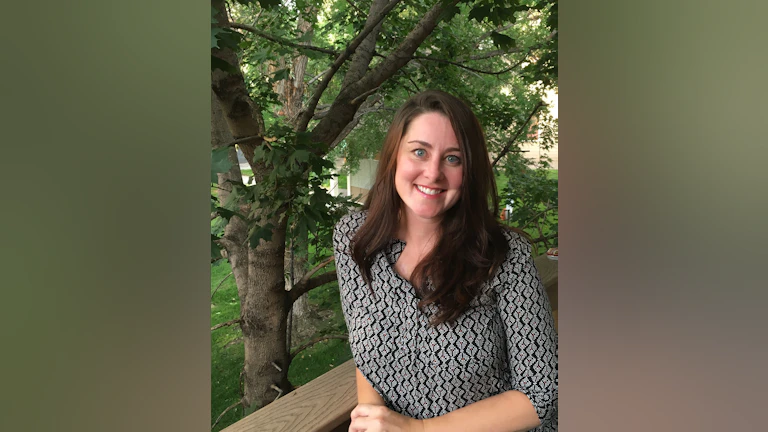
(391, 265)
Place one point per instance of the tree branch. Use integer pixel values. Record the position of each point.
(366, 108)
(316, 340)
(342, 112)
(519, 131)
(463, 66)
(304, 286)
(225, 411)
(355, 8)
(281, 41)
(537, 215)
(226, 324)
(221, 283)
(316, 269)
(364, 96)
(490, 54)
(545, 238)
(402, 55)
(371, 24)
(367, 49)
(360, 112)
(242, 113)
(246, 139)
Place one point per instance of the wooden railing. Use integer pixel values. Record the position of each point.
(324, 404)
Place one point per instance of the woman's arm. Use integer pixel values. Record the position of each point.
(510, 411)
(530, 331)
(366, 394)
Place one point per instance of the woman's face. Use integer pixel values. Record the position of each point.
(428, 175)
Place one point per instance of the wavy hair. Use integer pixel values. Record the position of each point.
(444, 277)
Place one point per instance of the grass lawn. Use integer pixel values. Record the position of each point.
(227, 349)
(226, 355)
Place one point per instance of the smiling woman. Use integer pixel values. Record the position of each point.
(449, 324)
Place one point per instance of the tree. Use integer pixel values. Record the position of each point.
(293, 81)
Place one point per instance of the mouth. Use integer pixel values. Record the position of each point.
(429, 191)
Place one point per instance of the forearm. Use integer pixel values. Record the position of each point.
(510, 411)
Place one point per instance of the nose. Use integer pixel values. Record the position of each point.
(434, 170)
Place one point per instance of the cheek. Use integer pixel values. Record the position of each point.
(455, 178)
(404, 171)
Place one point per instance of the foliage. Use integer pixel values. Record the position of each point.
(294, 183)
(532, 194)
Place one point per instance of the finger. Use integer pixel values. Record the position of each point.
(353, 428)
(363, 410)
(355, 413)
(366, 424)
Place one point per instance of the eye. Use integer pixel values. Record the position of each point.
(420, 152)
(452, 159)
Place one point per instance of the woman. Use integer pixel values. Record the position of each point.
(449, 325)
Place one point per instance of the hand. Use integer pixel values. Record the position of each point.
(377, 418)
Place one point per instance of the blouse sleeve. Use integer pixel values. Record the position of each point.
(347, 272)
(530, 329)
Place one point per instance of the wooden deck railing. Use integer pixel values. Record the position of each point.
(324, 404)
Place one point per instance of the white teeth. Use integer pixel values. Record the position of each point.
(428, 191)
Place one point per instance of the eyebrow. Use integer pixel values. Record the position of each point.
(426, 144)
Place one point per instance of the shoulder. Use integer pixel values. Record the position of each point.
(347, 227)
(518, 263)
(519, 246)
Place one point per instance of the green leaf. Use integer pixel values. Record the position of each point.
(229, 38)
(304, 138)
(259, 153)
(301, 156)
(479, 12)
(281, 74)
(214, 39)
(502, 41)
(449, 13)
(306, 37)
(217, 63)
(215, 249)
(219, 162)
(266, 4)
(261, 232)
(226, 214)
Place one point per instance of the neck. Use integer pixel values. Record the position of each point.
(415, 230)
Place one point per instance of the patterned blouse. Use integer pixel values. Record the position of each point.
(505, 341)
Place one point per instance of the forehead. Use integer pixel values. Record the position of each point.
(432, 128)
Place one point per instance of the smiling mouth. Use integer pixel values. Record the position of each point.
(428, 191)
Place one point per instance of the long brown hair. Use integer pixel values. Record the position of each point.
(469, 226)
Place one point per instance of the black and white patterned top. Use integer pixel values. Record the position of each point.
(505, 341)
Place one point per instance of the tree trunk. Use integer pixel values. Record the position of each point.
(300, 312)
(264, 308)
(259, 278)
(258, 271)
